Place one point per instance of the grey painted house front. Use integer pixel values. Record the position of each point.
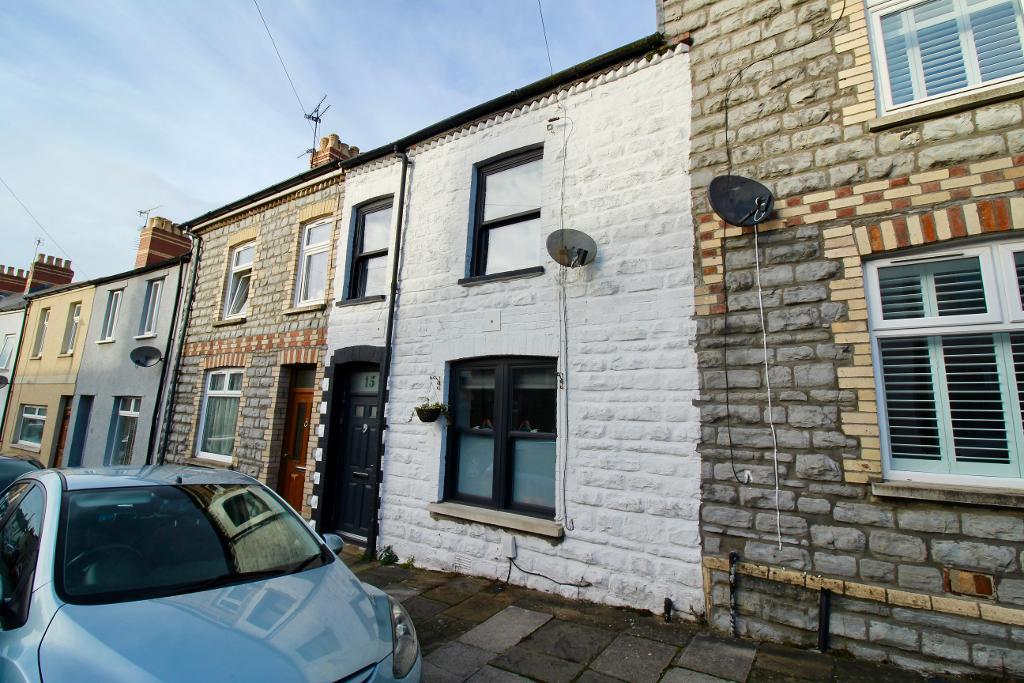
(12, 313)
(112, 414)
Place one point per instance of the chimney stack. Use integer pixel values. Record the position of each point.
(160, 240)
(331, 149)
(12, 281)
(48, 271)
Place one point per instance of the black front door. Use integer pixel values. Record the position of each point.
(358, 464)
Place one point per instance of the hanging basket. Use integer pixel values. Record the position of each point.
(428, 414)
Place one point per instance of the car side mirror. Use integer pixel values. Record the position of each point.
(334, 542)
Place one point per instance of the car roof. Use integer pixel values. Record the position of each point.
(78, 478)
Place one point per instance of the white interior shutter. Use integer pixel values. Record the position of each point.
(940, 47)
(997, 40)
(959, 288)
(910, 399)
(975, 399)
(897, 59)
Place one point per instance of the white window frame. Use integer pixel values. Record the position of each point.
(7, 347)
(1000, 284)
(111, 315)
(124, 407)
(151, 307)
(225, 393)
(71, 328)
(41, 327)
(306, 251)
(38, 414)
(880, 8)
(235, 273)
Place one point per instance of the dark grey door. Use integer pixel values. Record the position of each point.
(359, 462)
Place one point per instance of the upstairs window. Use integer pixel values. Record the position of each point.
(502, 436)
(151, 308)
(71, 328)
(7, 352)
(507, 219)
(219, 417)
(370, 250)
(950, 358)
(111, 315)
(314, 252)
(236, 298)
(41, 327)
(941, 47)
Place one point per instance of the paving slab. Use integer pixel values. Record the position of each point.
(505, 629)
(611, 618)
(433, 674)
(470, 584)
(459, 659)
(426, 580)
(538, 666)
(489, 674)
(480, 607)
(589, 676)
(447, 595)
(383, 575)
(401, 592)
(438, 630)
(633, 659)
(812, 666)
(849, 670)
(655, 628)
(766, 676)
(677, 675)
(566, 640)
(421, 608)
(722, 657)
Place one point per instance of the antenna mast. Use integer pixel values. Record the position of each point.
(315, 117)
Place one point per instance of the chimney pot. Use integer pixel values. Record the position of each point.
(331, 149)
(160, 240)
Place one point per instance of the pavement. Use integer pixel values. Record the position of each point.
(483, 631)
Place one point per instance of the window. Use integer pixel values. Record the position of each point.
(950, 359)
(30, 426)
(370, 250)
(151, 307)
(71, 328)
(23, 505)
(502, 436)
(7, 352)
(314, 252)
(507, 224)
(122, 436)
(111, 314)
(44, 323)
(239, 278)
(935, 48)
(220, 414)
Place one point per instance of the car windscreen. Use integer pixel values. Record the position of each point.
(136, 543)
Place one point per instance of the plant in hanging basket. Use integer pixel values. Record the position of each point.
(429, 412)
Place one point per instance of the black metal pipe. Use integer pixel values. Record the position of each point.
(734, 558)
(164, 371)
(197, 250)
(824, 617)
(385, 370)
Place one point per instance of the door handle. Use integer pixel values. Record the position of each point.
(366, 428)
(300, 469)
(360, 475)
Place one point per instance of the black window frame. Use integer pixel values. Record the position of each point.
(482, 228)
(502, 433)
(357, 275)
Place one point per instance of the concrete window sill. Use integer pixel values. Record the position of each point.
(65, 355)
(228, 322)
(373, 299)
(305, 308)
(962, 102)
(500, 277)
(498, 518)
(151, 335)
(197, 461)
(105, 341)
(946, 493)
(26, 447)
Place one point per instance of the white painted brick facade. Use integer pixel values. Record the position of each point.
(633, 485)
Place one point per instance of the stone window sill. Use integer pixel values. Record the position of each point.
(65, 355)
(209, 463)
(962, 102)
(305, 308)
(228, 322)
(151, 335)
(105, 341)
(374, 299)
(499, 277)
(26, 447)
(945, 493)
(498, 518)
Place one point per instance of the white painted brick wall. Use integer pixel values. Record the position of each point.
(633, 474)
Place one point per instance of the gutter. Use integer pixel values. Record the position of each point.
(385, 370)
(155, 423)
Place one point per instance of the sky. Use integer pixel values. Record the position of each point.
(112, 107)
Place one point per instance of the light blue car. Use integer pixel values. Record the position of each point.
(182, 574)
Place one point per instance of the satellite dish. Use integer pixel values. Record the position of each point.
(4, 381)
(146, 356)
(740, 201)
(572, 248)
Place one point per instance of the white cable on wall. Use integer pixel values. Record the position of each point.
(768, 387)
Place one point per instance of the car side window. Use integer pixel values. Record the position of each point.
(19, 548)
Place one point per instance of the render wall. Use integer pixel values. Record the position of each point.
(631, 490)
(850, 186)
(107, 371)
(273, 336)
(10, 323)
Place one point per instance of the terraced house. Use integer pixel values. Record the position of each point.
(862, 352)
(252, 355)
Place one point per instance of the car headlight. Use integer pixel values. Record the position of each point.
(405, 647)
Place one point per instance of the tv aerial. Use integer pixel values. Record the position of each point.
(571, 248)
(315, 117)
(145, 356)
(740, 201)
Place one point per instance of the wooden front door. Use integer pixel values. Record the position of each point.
(62, 435)
(291, 478)
(359, 464)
